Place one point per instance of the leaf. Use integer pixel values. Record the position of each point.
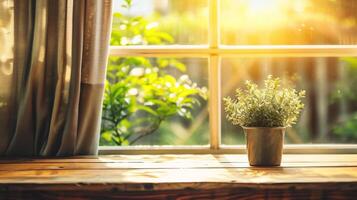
(107, 136)
(147, 109)
(117, 15)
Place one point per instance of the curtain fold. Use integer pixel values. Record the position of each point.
(60, 54)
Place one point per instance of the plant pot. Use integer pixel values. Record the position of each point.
(264, 145)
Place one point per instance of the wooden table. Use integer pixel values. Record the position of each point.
(178, 176)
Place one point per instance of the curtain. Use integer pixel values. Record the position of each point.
(52, 76)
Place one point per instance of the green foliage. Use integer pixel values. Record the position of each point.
(271, 106)
(116, 109)
(136, 30)
(139, 92)
(343, 89)
(347, 131)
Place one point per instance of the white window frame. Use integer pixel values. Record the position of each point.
(214, 52)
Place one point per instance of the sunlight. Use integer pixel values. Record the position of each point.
(263, 13)
(264, 6)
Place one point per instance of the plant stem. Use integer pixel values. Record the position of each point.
(147, 132)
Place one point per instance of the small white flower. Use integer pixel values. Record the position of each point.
(172, 95)
(137, 71)
(124, 41)
(122, 27)
(184, 78)
(137, 39)
(152, 25)
(187, 86)
(168, 84)
(179, 100)
(148, 71)
(133, 92)
(148, 103)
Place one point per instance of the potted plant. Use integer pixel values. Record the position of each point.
(264, 113)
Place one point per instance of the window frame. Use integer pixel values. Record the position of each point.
(214, 52)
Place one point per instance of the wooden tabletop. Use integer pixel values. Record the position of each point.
(127, 173)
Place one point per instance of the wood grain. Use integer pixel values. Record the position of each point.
(178, 177)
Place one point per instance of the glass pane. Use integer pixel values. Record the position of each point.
(159, 22)
(155, 101)
(330, 113)
(274, 22)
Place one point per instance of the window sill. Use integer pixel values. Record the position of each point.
(170, 175)
(227, 149)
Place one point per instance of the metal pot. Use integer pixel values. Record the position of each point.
(264, 145)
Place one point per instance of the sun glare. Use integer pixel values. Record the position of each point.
(263, 13)
(264, 6)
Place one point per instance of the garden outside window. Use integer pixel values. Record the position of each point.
(172, 61)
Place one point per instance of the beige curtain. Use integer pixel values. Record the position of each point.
(51, 90)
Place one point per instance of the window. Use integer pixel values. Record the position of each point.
(217, 45)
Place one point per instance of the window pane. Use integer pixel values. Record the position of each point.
(330, 113)
(158, 22)
(282, 22)
(155, 101)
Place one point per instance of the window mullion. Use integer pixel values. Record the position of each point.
(215, 101)
(213, 25)
(214, 75)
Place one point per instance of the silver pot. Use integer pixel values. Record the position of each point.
(264, 145)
